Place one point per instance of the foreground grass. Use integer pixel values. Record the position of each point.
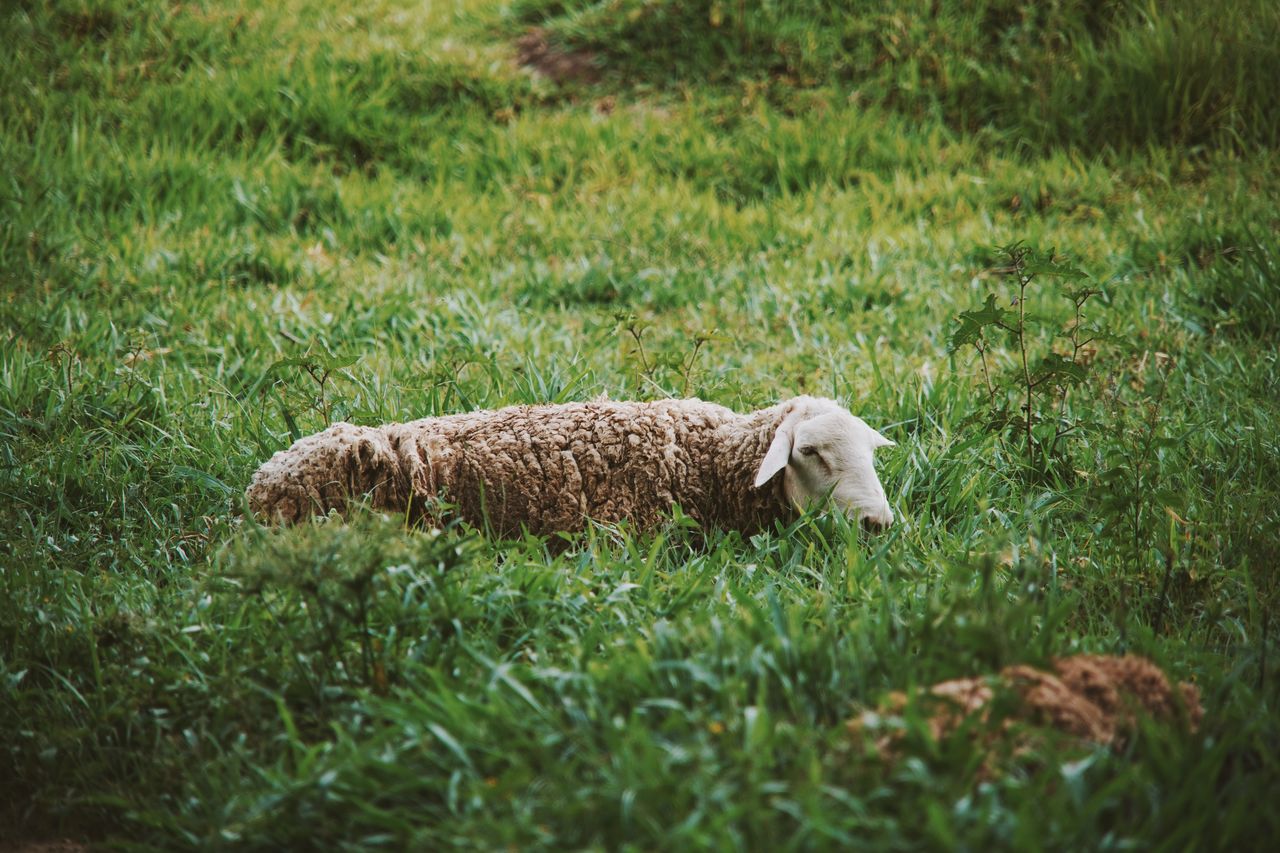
(227, 225)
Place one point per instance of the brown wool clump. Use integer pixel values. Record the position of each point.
(1095, 698)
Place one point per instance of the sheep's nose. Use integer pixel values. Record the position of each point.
(873, 525)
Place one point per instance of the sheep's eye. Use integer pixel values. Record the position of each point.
(808, 451)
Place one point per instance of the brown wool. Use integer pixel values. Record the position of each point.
(539, 468)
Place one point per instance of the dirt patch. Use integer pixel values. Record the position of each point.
(535, 49)
(1095, 698)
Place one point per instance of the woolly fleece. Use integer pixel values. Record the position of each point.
(545, 468)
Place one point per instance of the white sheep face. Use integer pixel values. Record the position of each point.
(825, 455)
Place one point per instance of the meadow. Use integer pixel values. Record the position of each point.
(224, 225)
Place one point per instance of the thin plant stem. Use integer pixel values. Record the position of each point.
(1023, 281)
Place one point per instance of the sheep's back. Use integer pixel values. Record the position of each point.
(549, 468)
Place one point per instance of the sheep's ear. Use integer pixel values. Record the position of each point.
(878, 440)
(776, 459)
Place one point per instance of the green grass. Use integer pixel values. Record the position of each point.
(202, 200)
(1090, 73)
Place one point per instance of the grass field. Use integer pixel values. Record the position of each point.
(227, 224)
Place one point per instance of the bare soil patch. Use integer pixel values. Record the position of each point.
(536, 50)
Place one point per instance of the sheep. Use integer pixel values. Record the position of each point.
(549, 468)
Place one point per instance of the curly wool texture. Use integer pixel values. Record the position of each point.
(540, 468)
(1095, 698)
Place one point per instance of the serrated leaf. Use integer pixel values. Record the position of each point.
(1059, 370)
(971, 323)
(335, 362)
